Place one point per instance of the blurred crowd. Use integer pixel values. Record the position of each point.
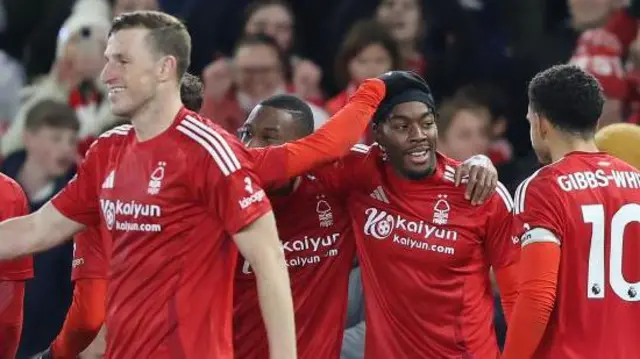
(477, 56)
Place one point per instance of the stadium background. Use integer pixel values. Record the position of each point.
(476, 54)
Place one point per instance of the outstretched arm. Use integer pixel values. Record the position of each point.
(328, 143)
(36, 232)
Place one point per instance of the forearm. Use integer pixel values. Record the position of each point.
(11, 318)
(36, 232)
(84, 319)
(539, 269)
(334, 139)
(276, 304)
(507, 282)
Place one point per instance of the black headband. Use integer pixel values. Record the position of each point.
(410, 95)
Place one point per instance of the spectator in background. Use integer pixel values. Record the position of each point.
(463, 128)
(367, 51)
(42, 169)
(404, 20)
(12, 79)
(488, 96)
(73, 78)
(275, 19)
(256, 72)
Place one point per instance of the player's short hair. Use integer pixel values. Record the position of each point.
(299, 110)
(191, 90)
(51, 114)
(167, 34)
(569, 97)
(361, 35)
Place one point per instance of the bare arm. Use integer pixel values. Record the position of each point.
(41, 230)
(259, 244)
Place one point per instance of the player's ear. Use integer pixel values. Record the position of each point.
(167, 68)
(544, 126)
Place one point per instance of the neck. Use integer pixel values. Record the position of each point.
(561, 146)
(32, 177)
(157, 115)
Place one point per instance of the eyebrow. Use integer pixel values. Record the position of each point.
(403, 117)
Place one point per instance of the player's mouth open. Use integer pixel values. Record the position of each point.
(418, 156)
(115, 90)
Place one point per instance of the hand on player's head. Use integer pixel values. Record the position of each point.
(401, 86)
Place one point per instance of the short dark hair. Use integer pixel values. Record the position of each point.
(191, 89)
(52, 114)
(266, 40)
(299, 110)
(363, 34)
(569, 97)
(167, 34)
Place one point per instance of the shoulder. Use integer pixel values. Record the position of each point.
(210, 142)
(8, 186)
(113, 136)
(10, 191)
(541, 184)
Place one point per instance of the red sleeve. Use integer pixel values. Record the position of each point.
(329, 143)
(84, 319)
(11, 311)
(13, 203)
(539, 281)
(78, 201)
(229, 187)
(90, 255)
(536, 211)
(501, 249)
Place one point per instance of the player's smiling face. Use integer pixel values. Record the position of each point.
(268, 126)
(409, 137)
(130, 71)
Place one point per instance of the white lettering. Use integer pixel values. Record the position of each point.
(579, 181)
(254, 198)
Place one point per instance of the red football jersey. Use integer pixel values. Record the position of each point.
(91, 254)
(425, 254)
(318, 243)
(13, 203)
(169, 205)
(589, 203)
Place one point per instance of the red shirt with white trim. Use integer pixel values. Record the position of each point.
(169, 206)
(589, 204)
(13, 203)
(425, 254)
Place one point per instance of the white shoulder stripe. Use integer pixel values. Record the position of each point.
(359, 149)
(120, 131)
(506, 197)
(521, 193)
(220, 139)
(225, 159)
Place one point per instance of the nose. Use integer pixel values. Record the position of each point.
(108, 74)
(417, 133)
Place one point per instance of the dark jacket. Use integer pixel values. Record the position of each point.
(49, 294)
